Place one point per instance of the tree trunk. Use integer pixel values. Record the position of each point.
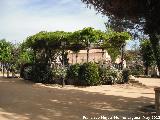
(88, 47)
(146, 70)
(159, 70)
(47, 53)
(76, 57)
(122, 57)
(103, 54)
(3, 69)
(87, 55)
(7, 73)
(72, 58)
(13, 74)
(7, 68)
(35, 54)
(156, 49)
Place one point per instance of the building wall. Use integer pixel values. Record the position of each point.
(95, 55)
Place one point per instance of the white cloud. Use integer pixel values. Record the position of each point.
(22, 18)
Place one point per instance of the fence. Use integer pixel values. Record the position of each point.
(118, 66)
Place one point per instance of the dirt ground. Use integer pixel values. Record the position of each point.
(24, 100)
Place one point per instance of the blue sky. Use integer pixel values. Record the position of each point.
(21, 18)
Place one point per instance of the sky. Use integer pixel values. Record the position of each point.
(22, 18)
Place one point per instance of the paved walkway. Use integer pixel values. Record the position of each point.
(150, 82)
(23, 100)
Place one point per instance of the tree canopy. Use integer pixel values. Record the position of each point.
(147, 54)
(5, 50)
(142, 12)
(138, 11)
(6, 55)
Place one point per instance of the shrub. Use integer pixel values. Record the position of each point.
(109, 75)
(104, 77)
(59, 74)
(119, 78)
(125, 74)
(41, 73)
(88, 74)
(72, 74)
(26, 71)
(137, 69)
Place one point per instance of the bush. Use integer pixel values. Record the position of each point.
(27, 75)
(105, 78)
(26, 71)
(109, 75)
(125, 74)
(137, 70)
(41, 73)
(72, 74)
(88, 75)
(59, 74)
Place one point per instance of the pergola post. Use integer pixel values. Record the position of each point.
(157, 100)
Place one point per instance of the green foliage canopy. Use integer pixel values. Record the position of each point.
(147, 53)
(138, 11)
(113, 42)
(81, 39)
(142, 12)
(5, 51)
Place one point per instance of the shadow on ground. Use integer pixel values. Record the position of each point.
(24, 100)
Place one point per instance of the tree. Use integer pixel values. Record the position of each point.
(147, 55)
(5, 55)
(84, 39)
(25, 54)
(89, 37)
(142, 12)
(76, 43)
(113, 41)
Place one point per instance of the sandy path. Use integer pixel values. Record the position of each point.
(23, 100)
(150, 82)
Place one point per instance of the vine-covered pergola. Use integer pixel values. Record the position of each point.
(48, 45)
